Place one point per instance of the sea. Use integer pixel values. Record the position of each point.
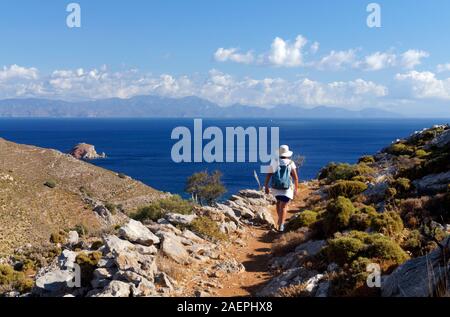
(141, 148)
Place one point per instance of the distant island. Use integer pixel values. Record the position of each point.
(162, 107)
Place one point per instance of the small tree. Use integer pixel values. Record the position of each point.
(205, 188)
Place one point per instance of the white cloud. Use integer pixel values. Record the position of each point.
(286, 54)
(412, 58)
(218, 87)
(425, 85)
(441, 68)
(379, 60)
(233, 55)
(314, 47)
(18, 72)
(337, 60)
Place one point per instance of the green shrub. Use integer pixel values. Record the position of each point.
(414, 243)
(157, 209)
(57, 237)
(303, 219)
(376, 247)
(367, 159)
(88, 263)
(388, 223)
(362, 219)
(390, 193)
(402, 184)
(347, 189)
(421, 153)
(81, 229)
(207, 228)
(400, 149)
(96, 245)
(14, 280)
(337, 217)
(343, 249)
(382, 248)
(50, 184)
(111, 207)
(343, 171)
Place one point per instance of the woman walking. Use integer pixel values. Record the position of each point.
(284, 185)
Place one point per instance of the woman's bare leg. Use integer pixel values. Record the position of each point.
(283, 213)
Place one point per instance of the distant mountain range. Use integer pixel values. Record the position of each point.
(161, 107)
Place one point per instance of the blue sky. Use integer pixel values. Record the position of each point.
(172, 48)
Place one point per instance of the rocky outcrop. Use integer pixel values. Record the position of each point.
(424, 276)
(432, 183)
(84, 151)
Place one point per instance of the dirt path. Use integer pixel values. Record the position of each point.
(255, 256)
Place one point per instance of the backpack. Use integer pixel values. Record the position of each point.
(281, 179)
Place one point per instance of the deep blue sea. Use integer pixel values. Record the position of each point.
(141, 148)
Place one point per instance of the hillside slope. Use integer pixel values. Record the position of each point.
(30, 209)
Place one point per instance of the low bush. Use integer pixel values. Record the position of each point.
(343, 171)
(346, 189)
(390, 193)
(362, 218)
(421, 153)
(88, 263)
(305, 218)
(402, 184)
(338, 215)
(207, 228)
(111, 207)
(368, 159)
(11, 279)
(377, 247)
(157, 209)
(50, 184)
(400, 149)
(388, 223)
(58, 237)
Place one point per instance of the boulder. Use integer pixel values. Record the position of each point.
(264, 216)
(67, 259)
(114, 244)
(55, 283)
(431, 184)
(136, 232)
(311, 248)
(290, 277)
(72, 237)
(323, 289)
(250, 193)
(144, 265)
(173, 249)
(179, 219)
(440, 141)
(418, 277)
(115, 289)
(228, 227)
(84, 151)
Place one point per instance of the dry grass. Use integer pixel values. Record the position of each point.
(175, 270)
(31, 211)
(289, 241)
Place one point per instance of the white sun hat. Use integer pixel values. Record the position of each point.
(284, 151)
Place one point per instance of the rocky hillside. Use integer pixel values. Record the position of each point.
(44, 191)
(391, 212)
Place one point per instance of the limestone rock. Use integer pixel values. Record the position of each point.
(72, 237)
(115, 289)
(55, 283)
(135, 231)
(418, 277)
(173, 249)
(179, 219)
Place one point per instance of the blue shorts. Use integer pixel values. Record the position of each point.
(283, 199)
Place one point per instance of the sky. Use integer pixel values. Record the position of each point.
(254, 52)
